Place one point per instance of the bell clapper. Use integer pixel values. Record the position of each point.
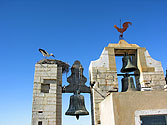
(77, 116)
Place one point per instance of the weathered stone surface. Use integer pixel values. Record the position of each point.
(47, 106)
(104, 80)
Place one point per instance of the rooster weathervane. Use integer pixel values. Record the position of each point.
(121, 30)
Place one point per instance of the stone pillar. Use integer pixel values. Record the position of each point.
(47, 95)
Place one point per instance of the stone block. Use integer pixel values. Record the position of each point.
(37, 107)
(51, 99)
(50, 95)
(37, 85)
(38, 94)
(52, 91)
(51, 103)
(52, 121)
(53, 86)
(50, 108)
(37, 79)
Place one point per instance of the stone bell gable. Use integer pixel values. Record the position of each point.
(103, 73)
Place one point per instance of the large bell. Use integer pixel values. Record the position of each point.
(127, 64)
(77, 106)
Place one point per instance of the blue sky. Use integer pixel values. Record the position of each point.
(72, 30)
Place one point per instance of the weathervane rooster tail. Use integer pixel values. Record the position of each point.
(121, 30)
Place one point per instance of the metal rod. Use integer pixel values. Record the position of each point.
(127, 74)
(99, 93)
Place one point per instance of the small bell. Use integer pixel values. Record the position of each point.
(127, 84)
(127, 64)
(77, 106)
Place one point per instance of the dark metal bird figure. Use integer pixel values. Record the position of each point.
(45, 53)
(121, 30)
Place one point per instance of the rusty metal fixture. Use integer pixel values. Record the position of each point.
(122, 30)
(127, 64)
(77, 106)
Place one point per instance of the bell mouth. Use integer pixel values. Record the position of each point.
(78, 112)
(128, 70)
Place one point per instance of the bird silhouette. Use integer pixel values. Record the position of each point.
(45, 53)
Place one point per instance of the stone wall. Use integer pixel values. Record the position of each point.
(104, 80)
(153, 79)
(47, 95)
